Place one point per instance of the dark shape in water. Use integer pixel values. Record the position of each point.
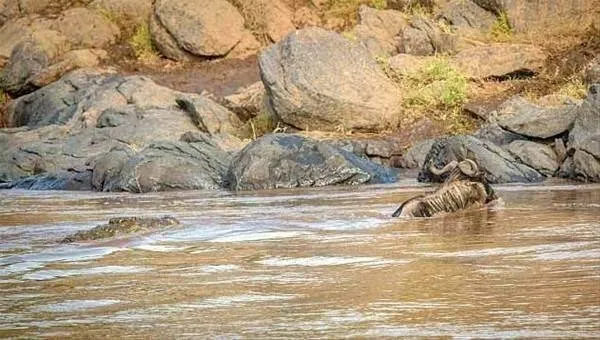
(465, 188)
(123, 226)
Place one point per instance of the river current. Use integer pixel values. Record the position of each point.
(305, 263)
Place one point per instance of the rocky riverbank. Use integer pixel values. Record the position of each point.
(350, 101)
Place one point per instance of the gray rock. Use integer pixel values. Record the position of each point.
(60, 180)
(107, 167)
(493, 133)
(498, 165)
(164, 166)
(246, 102)
(76, 122)
(584, 139)
(86, 28)
(467, 14)
(29, 59)
(586, 161)
(424, 37)
(538, 156)
(586, 123)
(416, 155)
(26, 60)
(208, 28)
(378, 28)
(311, 82)
(499, 60)
(288, 161)
(530, 120)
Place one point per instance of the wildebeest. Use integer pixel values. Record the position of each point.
(464, 188)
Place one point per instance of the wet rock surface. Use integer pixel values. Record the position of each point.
(497, 164)
(122, 226)
(289, 161)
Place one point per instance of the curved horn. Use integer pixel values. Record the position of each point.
(439, 172)
(468, 167)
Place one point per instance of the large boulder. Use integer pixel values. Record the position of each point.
(499, 60)
(18, 30)
(40, 61)
(378, 29)
(288, 161)
(527, 119)
(541, 157)
(467, 14)
(183, 29)
(86, 28)
(497, 165)
(162, 166)
(312, 82)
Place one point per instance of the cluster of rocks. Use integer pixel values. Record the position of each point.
(101, 131)
(524, 142)
(93, 129)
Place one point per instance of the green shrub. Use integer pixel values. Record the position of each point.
(258, 126)
(141, 43)
(436, 91)
(501, 30)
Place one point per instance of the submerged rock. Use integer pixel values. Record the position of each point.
(497, 165)
(121, 226)
(288, 161)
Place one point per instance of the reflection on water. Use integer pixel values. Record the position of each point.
(323, 263)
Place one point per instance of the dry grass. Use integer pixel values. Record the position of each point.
(258, 126)
(142, 44)
(3, 103)
(254, 13)
(501, 30)
(436, 91)
(347, 10)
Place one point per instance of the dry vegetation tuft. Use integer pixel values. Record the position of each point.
(254, 13)
(258, 126)
(436, 91)
(142, 44)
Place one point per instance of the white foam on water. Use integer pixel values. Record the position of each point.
(318, 261)
(58, 273)
(73, 306)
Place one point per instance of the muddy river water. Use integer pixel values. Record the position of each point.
(317, 263)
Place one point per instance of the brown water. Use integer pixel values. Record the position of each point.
(322, 263)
